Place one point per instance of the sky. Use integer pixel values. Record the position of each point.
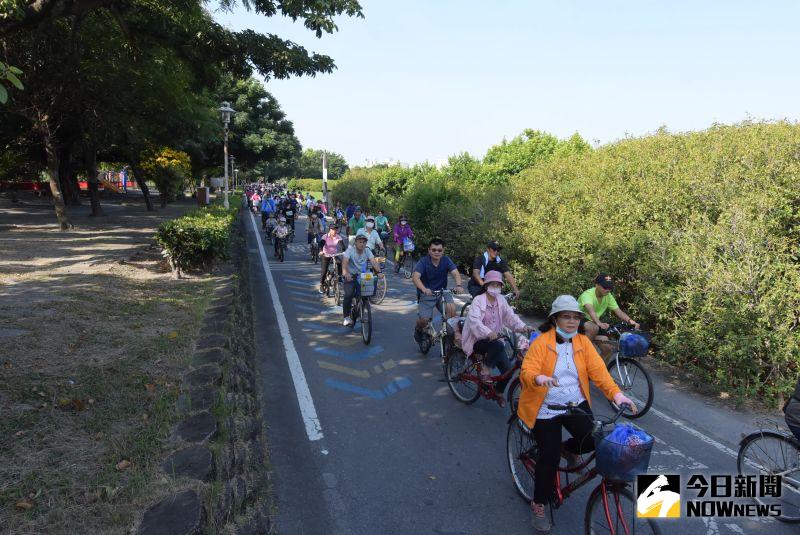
(421, 80)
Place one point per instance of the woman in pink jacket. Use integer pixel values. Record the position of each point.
(488, 315)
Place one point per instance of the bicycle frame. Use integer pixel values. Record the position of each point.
(488, 390)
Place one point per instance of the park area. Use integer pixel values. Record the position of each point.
(95, 331)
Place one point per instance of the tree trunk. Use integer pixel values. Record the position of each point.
(90, 159)
(67, 178)
(163, 194)
(138, 173)
(55, 188)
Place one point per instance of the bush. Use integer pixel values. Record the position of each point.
(702, 229)
(199, 237)
(308, 184)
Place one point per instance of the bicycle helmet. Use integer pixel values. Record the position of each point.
(633, 345)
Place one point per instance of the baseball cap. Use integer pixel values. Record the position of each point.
(494, 246)
(605, 280)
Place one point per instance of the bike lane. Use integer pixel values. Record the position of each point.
(397, 453)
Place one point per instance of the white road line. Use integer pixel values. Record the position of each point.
(304, 399)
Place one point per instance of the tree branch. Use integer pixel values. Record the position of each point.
(37, 11)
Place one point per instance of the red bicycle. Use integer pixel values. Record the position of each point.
(611, 507)
(464, 373)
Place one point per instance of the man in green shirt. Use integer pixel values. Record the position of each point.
(356, 222)
(594, 302)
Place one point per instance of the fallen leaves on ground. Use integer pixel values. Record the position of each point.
(124, 464)
(172, 335)
(19, 434)
(24, 505)
(150, 387)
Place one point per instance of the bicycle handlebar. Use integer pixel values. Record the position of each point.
(574, 409)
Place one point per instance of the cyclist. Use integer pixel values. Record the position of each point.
(349, 210)
(487, 262)
(488, 315)
(314, 228)
(402, 230)
(267, 209)
(331, 244)
(355, 261)
(382, 225)
(374, 241)
(281, 231)
(594, 303)
(356, 222)
(430, 275)
(557, 370)
(288, 209)
(792, 411)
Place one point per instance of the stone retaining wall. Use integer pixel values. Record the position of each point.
(220, 456)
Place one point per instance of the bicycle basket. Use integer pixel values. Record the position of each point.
(408, 245)
(367, 287)
(634, 344)
(622, 451)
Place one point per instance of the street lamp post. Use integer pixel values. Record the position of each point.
(225, 112)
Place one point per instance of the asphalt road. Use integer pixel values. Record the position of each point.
(369, 440)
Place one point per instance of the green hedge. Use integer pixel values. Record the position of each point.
(308, 184)
(701, 228)
(199, 237)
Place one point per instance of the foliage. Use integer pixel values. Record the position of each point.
(198, 238)
(308, 184)
(702, 230)
(311, 164)
(169, 169)
(8, 75)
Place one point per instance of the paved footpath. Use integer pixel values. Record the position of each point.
(369, 440)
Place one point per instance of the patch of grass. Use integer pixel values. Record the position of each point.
(93, 384)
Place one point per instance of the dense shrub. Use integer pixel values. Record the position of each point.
(702, 228)
(308, 184)
(199, 237)
(170, 170)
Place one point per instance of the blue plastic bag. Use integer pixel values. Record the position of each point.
(623, 453)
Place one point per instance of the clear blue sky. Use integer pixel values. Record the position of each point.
(423, 79)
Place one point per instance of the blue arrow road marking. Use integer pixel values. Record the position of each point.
(389, 390)
(352, 357)
(320, 327)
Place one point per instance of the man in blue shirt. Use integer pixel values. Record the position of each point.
(267, 208)
(430, 275)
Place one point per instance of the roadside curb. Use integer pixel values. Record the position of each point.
(219, 455)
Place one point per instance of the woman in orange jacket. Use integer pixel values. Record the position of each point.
(556, 371)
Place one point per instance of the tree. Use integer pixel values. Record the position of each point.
(311, 164)
(260, 137)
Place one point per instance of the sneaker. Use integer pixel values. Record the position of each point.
(539, 518)
(348, 322)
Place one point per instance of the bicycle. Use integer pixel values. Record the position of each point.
(381, 284)
(361, 310)
(628, 372)
(611, 507)
(315, 248)
(330, 284)
(431, 335)
(774, 453)
(464, 373)
(405, 263)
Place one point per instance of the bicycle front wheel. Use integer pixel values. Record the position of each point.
(380, 292)
(408, 266)
(635, 383)
(513, 392)
(521, 453)
(465, 309)
(612, 509)
(774, 454)
(459, 368)
(366, 321)
(337, 291)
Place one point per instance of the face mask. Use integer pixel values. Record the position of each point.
(402, 223)
(370, 225)
(564, 334)
(494, 290)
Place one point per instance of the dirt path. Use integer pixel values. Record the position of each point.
(93, 334)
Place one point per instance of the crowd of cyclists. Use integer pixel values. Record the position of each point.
(571, 350)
